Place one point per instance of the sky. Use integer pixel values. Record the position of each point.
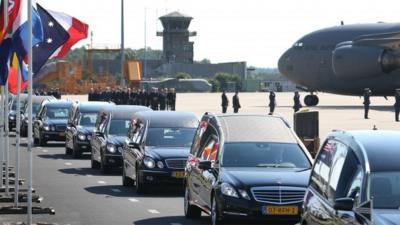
(256, 31)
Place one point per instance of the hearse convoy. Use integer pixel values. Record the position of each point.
(247, 167)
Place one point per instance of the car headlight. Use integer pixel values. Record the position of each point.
(111, 148)
(228, 190)
(120, 149)
(244, 194)
(160, 164)
(46, 127)
(81, 137)
(12, 117)
(149, 162)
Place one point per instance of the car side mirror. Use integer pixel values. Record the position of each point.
(205, 165)
(345, 204)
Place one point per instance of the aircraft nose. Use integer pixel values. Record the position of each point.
(285, 64)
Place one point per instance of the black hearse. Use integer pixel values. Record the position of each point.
(250, 167)
(51, 121)
(110, 131)
(157, 148)
(36, 104)
(12, 114)
(81, 121)
(355, 180)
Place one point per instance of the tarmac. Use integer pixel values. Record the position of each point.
(335, 111)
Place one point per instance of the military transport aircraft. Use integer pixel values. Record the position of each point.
(345, 60)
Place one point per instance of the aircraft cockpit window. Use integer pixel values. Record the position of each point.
(298, 45)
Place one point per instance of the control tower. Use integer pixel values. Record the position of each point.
(176, 45)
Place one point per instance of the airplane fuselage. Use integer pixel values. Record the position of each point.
(309, 62)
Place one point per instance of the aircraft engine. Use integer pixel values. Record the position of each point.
(352, 62)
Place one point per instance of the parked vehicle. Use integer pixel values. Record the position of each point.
(36, 104)
(250, 167)
(355, 180)
(12, 114)
(111, 129)
(157, 148)
(51, 121)
(81, 122)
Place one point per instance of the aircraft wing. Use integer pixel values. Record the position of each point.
(384, 40)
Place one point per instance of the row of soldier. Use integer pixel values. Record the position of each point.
(156, 99)
(52, 92)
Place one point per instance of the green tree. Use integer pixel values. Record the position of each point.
(182, 75)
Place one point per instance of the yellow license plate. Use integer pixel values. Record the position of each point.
(178, 174)
(282, 210)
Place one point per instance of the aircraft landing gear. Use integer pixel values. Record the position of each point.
(311, 100)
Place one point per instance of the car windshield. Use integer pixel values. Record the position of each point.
(57, 113)
(268, 155)
(170, 137)
(119, 127)
(88, 119)
(385, 190)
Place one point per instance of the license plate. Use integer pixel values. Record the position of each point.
(281, 210)
(62, 134)
(178, 174)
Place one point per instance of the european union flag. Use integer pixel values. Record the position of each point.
(5, 53)
(54, 36)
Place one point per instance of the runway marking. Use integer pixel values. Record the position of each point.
(101, 182)
(45, 151)
(133, 200)
(153, 211)
(68, 164)
(116, 190)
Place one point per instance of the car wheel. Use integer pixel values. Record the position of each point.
(76, 153)
(126, 181)
(140, 187)
(216, 218)
(191, 211)
(68, 151)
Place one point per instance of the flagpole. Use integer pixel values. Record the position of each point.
(18, 140)
(122, 45)
(2, 135)
(145, 43)
(5, 13)
(7, 139)
(30, 161)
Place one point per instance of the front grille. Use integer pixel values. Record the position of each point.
(278, 194)
(61, 127)
(176, 163)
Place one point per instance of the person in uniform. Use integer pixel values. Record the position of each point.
(236, 102)
(296, 100)
(91, 95)
(367, 102)
(397, 104)
(272, 102)
(162, 99)
(225, 102)
(173, 99)
(154, 99)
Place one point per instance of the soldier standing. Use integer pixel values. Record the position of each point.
(297, 104)
(272, 102)
(162, 99)
(236, 102)
(367, 102)
(154, 99)
(91, 95)
(173, 99)
(397, 105)
(225, 102)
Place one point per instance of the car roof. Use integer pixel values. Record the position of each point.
(58, 103)
(39, 99)
(171, 119)
(127, 111)
(92, 106)
(382, 148)
(255, 128)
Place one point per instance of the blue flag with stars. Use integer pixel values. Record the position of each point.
(54, 36)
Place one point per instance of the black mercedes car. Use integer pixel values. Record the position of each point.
(36, 104)
(12, 114)
(250, 167)
(81, 121)
(51, 121)
(109, 135)
(355, 180)
(157, 148)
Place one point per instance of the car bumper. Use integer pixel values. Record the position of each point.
(253, 210)
(113, 160)
(12, 124)
(53, 136)
(164, 177)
